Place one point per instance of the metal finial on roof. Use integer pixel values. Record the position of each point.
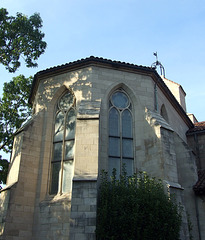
(158, 63)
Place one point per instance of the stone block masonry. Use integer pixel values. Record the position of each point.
(83, 210)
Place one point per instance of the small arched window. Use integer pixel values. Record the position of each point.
(63, 145)
(120, 133)
(163, 113)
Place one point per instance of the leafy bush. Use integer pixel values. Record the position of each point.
(136, 208)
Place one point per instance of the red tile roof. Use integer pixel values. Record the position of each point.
(198, 127)
(199, 187)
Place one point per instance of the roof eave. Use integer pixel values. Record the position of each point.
(117, 65)
(91, 61)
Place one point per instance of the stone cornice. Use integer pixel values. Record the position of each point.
(115, 65)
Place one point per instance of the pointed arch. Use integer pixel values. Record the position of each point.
(59, 92)
(163, 113)
(123, 86)
(104, 121)
(63, 143)
(120, 132)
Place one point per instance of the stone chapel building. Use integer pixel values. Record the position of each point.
(95, 114)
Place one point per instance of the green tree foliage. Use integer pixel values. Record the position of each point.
(4, 164)
(20, 36)
(136, 208)
(14, 111)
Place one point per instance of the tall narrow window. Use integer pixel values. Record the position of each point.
(120, 133)
(63, 145)
(163, 113)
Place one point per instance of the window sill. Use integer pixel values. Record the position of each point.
(57, 198)
(85, 178)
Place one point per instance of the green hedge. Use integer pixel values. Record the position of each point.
(136, 208)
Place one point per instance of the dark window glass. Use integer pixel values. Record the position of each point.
(114, 146)
(114, 122)
(128, 163)
(120, 100)
(114, 163)
(55, 177)
(120, 133)
(57, 151)
(127, 124)
(127, 148)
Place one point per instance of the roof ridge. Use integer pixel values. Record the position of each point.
(198, 127)
(110, 64)
(172, 81)
(200, 123)
(90, 58)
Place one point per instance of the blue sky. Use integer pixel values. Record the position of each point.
(124, 30)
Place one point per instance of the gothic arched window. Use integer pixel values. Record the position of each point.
(63, 145)
(120, 133)
(163, 113)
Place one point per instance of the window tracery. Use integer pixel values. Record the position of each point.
(63, 145)
(120, 133)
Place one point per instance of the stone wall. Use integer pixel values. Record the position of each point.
(4, 203)
(33, 213)
(196, 141)
(187, 175)
(25, 157)
(83, 210)
(52, 219)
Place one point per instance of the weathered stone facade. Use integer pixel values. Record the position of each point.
(160, 123)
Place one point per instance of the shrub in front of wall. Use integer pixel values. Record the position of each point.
(135, 207)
